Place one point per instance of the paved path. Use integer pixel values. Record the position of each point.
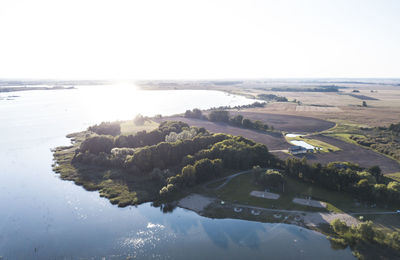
(375, 213)
(228, 179)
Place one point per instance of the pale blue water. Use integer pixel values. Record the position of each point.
(44, 217)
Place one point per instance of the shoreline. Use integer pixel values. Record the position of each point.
(201, 204)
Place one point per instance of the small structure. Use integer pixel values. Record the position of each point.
(297, 149)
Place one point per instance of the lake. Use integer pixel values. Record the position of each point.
(44, 217)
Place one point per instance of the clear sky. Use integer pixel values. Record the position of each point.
(147, 39)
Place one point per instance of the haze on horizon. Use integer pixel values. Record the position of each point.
(103, 39)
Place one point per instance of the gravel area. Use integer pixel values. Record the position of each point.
(312, 203)
(314, 219)
(195, 202)
(264, 194)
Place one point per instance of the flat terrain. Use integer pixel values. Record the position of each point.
(353, 153)
(288, 123)
(275, 141)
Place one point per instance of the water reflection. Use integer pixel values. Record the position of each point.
(43, 217)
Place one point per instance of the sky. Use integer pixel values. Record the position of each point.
(183, 39)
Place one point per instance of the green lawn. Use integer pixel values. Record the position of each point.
(238, 190)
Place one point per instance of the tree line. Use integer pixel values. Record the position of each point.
(224, 117)
(367, 185)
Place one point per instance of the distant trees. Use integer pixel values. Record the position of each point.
(106, 128)
(224, 117)
(219, 116)
(270, 97)
(195, 113)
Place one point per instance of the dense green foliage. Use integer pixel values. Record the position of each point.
(238, 120)
(174, 156)
(365, 185)
(106, 128)
(97, 144)
(164, 154)
(271, 178)
(365, 233)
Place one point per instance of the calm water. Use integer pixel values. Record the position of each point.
(43, 217)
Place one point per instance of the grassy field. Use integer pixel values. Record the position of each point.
(238, 191)
(129, 127)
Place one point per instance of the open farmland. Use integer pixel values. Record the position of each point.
(353, 153)
(275, 141)
(289, 123)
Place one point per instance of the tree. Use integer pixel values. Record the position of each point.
(339, 226)
(139, 120)
(189, 175)
(219, 116)
(237, 120)
(97, 144)
(366, 231)
(246, 123)
(195, 113)
(271, 178)
(376, 172)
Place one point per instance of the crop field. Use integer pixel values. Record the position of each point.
(289, 123)
(354, 153)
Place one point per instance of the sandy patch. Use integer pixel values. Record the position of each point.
(264, 194)
(314, 219)
(312, 203)
(195, 202)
